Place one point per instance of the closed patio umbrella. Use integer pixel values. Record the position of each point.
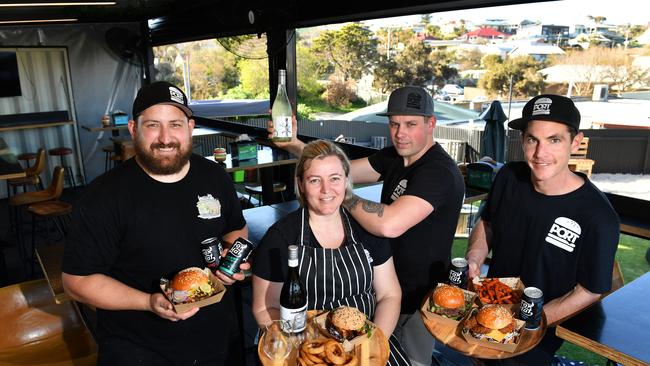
(493, 141)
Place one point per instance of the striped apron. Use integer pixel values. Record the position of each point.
(341, 276)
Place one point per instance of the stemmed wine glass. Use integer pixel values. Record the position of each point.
(276, 343)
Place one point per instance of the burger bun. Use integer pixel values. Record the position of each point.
(449, 297)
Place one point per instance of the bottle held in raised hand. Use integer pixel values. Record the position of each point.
(281, 112)
(237, 254)
(293, 297)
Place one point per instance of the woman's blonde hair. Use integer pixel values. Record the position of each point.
(320, 149)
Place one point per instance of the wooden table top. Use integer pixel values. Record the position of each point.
(616, 327)
(104, 128)
(9, 166)
(51, 258)
(266, 158)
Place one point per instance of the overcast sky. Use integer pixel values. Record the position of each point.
(564, 12)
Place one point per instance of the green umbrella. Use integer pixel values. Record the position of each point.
(494, 134)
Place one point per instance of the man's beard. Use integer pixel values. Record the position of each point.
(165, 166)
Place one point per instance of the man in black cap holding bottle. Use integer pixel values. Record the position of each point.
(421, 198)
(546, 224)
(146, 219)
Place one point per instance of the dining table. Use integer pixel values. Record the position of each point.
(616, 327)
(9, 165)
(266, 160)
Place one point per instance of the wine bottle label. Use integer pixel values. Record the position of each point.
(295, 319)
(282, 126)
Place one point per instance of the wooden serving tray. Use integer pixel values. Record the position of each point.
(450, 336)
(375, 352)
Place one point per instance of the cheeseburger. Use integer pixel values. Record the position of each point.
(345, 323)
(448, 301)
(493, 323)
(190, 285)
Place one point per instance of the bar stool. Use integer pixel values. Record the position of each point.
(61, 152)
(57, 212)
(27, 157)
(256, 189)
(108, 150)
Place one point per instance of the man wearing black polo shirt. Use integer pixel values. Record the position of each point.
(546, 224)
(143, 220)
(421, 198)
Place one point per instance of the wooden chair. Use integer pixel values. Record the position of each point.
(579, 162)
(17, 202)
(56, 212)
(582, 149)
(32, 174)
(37, 331)
(62, 152)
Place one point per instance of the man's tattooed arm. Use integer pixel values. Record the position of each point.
(368, 206)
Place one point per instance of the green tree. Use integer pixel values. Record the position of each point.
(213, 71)
(522, 69)
(309, 71)
(350, 50)
(443, 71)
(411, 67)
(254, 77)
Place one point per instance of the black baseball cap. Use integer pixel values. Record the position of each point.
(409, 101)
(160, 92)
(548, 107)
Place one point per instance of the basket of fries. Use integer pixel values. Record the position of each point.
(503, 290)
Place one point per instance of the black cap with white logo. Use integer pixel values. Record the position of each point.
(160, 92)
(409, 101)
(548, 107)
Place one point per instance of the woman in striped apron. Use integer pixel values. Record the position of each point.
(339, 262)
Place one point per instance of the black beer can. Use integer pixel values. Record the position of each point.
(237, 254)
(458, 272)
(211, 249)
(531, 306)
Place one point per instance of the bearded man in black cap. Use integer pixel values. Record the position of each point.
(421, 198)
(546, 224)
(143, 220)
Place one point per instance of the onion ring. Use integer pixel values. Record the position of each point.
(335, 352)
(313, 347)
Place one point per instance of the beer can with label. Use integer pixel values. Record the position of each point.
(458, 272)
(237, 254)
(211, 249)
(531, 306)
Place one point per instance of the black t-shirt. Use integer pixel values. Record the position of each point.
(135, 229)
(551, 242)
(271, 256)
(422, 253)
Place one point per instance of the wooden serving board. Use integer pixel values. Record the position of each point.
(375, 352)
(450, 335)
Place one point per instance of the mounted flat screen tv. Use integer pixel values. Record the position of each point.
(9, 79)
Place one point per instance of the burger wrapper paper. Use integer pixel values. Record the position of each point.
(348, 346)
(506, 347)
(469, 301)
(514, 283)
(218, 287)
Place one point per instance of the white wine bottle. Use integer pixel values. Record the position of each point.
(293, 297)
(281, 111)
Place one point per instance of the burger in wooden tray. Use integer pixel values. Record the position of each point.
(192, 287)
(448, 304)
(347, 325)
(503, 290)
(493, 326)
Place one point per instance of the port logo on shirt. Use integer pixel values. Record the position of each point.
(564, 233)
